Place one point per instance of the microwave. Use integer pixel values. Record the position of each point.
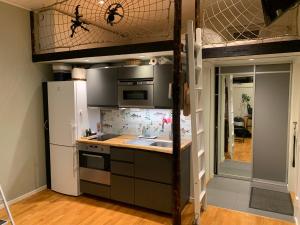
(136, 93)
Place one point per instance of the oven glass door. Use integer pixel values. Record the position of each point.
(95, 161)
(136, 95)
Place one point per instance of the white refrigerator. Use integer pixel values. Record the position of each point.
(68, 120)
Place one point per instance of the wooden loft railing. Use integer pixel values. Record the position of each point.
(252, 49)
(106, 51)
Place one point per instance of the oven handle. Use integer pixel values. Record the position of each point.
(94, 156)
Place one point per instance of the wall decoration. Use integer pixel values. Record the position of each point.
(132, 121)
(109, 22)
(114, 14)
(77, 23)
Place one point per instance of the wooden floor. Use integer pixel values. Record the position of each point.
(49, 208)
(243, 151)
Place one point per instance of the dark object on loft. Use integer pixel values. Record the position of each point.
(114, 10)
(77, 22)
(275, 8)
(246, 35)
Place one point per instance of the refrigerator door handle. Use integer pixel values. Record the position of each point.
(73, 130)
(46, 125)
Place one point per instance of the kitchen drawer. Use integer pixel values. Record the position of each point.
(153, 195)
(153, 166)
(122, 189)
(122, 154)
(95, 189)
(122, 168)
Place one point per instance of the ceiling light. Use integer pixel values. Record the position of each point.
(86, 60)
(101, 2)
(142, 56)
(251, 59)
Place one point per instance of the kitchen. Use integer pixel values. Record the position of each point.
(91, 91)
(110, 134)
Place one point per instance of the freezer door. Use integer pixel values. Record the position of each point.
(62, 121)
(64, 170)
(81, 111)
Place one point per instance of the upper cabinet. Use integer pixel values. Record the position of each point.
(136, 72)
(163, 78)
(102, 90)
(102, 84)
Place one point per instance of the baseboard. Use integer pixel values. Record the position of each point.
(269, 185)
(27, 195)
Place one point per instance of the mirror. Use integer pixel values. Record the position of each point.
(236, 108)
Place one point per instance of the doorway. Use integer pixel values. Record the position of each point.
(236, 107)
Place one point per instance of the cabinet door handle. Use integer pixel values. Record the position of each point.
(93, 156)
(170, 91)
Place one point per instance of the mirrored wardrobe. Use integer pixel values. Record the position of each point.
(236, 107)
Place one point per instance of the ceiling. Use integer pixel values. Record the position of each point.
(29, 4)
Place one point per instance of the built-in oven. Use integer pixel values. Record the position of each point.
(135, 93)
(94, 162)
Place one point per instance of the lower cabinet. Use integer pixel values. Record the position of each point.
(95, 189)
(122, 189)
(153, 195)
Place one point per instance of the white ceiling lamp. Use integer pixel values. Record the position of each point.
(101, 2)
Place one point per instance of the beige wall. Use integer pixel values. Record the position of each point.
(22, 160)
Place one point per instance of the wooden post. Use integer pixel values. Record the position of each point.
(197, 14)
(176, 113)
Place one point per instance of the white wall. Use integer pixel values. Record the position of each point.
(22, 159)
(294, 115)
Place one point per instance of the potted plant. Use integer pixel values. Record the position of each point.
(246, 102)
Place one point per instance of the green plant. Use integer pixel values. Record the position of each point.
(245, 98)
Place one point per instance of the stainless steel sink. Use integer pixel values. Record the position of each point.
(166, 144)
(140, 141)
(147, 142)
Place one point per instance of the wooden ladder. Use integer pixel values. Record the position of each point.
(197, 119)
(4, 202)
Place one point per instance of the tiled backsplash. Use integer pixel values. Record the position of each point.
(132, 121)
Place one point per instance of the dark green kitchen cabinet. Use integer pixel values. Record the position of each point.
(153, 195)
(122, 189)
(144, 178)
(102, 89)
(163, 78)
(153, 166)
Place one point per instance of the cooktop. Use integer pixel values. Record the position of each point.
(105, 137)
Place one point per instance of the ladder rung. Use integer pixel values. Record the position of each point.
(198, 46)
(199, 110)
(200, 153)
(198, 88)
(201, 174)
(198, 68)
(202, 194)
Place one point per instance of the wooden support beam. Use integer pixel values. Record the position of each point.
(197, 14)
(176, 113)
